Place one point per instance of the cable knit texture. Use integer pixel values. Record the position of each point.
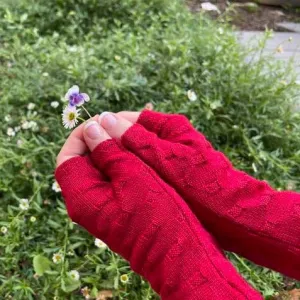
(122, 201)
(245, 215)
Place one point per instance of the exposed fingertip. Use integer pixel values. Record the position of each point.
(107, 119)
(94, 134)
(92, 130)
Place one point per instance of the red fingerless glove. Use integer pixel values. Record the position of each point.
(120, 200)
(246, 215)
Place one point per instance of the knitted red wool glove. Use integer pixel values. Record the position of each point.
(245, 215)
(120, 200)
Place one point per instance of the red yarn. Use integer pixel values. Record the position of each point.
(122, 201)
(245, 215)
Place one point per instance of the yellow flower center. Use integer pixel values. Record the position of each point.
(124, 278)
(71, 116)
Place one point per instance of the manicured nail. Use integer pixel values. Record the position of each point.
(107, 119)
(92, 130)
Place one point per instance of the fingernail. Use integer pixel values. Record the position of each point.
(92, 130)
(107, 119)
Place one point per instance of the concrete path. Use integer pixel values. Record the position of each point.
(290, 49)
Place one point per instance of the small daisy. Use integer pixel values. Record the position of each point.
(17, 128)
(124, 278)
(149, 106)
(117, 57)
(192, 95)
(30, 106)
(4, 229)
(291, 185)
(10, 132)
(75, 98)
(86, 292)
(33, 126)
(24, 204)
(20, 143)
(207, 6)
(74, 275)
(57, 258)
(100, 244)
(70, 117)
(25, 125)
(45, 74)
(220, 30)
(55, 187)
(70, 253)
(7, 118)
(54, 104)
(32, 219)
(279, 49)
(73, 49)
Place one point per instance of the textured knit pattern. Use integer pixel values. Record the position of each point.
(122, 201)
(245, 215)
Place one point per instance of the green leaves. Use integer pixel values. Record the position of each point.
(69, 285)
(125, 54)
(41, 264)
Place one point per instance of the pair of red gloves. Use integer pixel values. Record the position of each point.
(150, 195)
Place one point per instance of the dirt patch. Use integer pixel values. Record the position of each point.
(243, 18)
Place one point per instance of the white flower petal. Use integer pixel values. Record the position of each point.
(4, 229)
(73, 90)
(74, 275)
(10, 132)
(24, 204)
(31, 106)
(100, 244)
(192, 95)
(54, 104)
(7, 118)
(86, 97)
(55, 187)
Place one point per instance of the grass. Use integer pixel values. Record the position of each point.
(124, 57)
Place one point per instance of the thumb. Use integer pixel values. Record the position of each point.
(94, 134)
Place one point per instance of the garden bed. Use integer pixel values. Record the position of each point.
(123, 54)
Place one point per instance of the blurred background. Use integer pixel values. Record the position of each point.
(127, 55)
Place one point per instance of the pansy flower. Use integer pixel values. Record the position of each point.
(75, 98)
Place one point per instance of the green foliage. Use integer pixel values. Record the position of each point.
(124, 54)
(41, 264)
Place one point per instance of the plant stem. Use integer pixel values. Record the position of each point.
(86, 111)
(81, 119)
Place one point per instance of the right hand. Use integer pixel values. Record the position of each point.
(122, 201)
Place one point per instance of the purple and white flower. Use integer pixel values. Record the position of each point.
(75, 98)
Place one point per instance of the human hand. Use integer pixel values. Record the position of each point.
(122, 201)
(245, 215)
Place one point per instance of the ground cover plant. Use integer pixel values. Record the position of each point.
(124, 54)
